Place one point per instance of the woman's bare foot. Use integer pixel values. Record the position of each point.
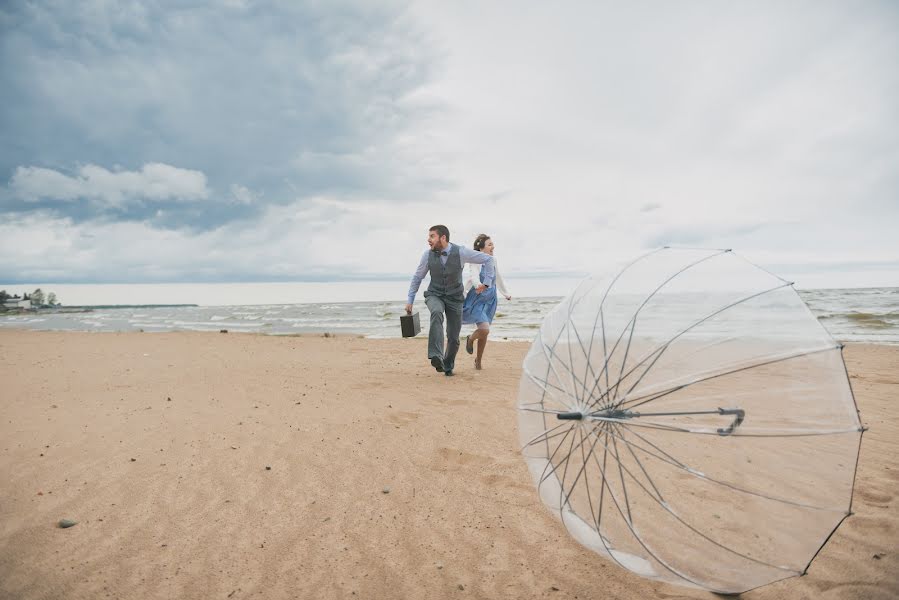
(477, 364)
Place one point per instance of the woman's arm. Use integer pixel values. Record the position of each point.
(474, 277)
(501, 284)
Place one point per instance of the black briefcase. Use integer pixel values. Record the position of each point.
(410, 324)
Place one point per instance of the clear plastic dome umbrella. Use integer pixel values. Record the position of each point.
(689, 419)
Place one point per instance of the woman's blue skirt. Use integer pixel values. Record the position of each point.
(479, 308)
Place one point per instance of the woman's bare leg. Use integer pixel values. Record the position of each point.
(482, 333)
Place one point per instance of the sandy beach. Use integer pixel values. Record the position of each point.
(208, 465)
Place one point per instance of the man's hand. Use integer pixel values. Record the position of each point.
(408, 309)
(480, 288)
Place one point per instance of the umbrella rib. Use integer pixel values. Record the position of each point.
(545, 475)
(600, 318)
(627, 502)
(607, 355)
(641, 400)
(668, 342)
(588, 367)
(545, 411)
(642, 468)
(580, 472)
(647, 299)
(541, 437)
(544, 384)
(574, 379)
(595, 400)
(604, 351)
(691, 527)
(631, 528)
(548, 367)
(602, 492)
(552, 354)
(667, 458)
(627, 351)
(567, 461)
(587, 479)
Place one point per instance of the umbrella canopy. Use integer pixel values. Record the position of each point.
(689, 419)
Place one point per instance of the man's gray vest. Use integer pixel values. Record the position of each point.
(446, 280)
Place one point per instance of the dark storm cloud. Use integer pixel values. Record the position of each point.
(279, 100)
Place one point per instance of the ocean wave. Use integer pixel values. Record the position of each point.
(873, 319)
(189, 324)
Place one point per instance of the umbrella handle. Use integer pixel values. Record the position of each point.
(739, 415)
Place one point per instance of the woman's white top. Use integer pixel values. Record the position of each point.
(474, 278)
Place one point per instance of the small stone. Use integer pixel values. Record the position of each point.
(553, 588)
(877, 556)
(268, 468)
(386, 490)
(66, 523)
(461, 587)
(133, 460)
(234, 447)
(168, 399)
(223, 331)
(439, 566)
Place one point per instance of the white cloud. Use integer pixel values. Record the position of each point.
(243, 195)
(155, 181)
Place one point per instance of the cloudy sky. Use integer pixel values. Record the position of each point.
(265, 141)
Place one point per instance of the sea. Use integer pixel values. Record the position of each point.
(367, 308)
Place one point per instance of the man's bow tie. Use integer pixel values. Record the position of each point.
(439, 253)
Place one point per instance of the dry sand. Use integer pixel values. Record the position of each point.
(245, 466)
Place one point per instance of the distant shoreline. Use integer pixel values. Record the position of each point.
(88, 308)
(109, 306)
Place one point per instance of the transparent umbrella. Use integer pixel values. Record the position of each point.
(689, 419)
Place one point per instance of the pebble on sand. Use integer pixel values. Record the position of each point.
(66, 523)
(386, 490)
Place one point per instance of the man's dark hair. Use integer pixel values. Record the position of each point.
(441, 231)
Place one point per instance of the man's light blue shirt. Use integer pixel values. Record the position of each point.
(466, 254)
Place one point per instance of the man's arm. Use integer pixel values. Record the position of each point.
(473, 256)
(416, 280)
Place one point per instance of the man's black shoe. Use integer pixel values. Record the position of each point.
(437, 363)
(449, 373)
(469, 345)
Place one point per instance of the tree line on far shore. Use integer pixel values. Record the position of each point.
(37, 297)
